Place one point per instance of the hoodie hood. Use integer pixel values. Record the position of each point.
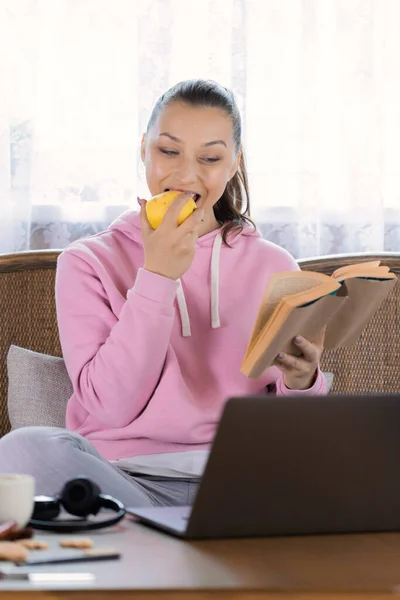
(129, 224)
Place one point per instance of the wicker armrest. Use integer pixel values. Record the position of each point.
(27, 308)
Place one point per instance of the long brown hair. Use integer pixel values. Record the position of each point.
(232, 211)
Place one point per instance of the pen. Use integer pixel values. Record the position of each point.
(85, 557)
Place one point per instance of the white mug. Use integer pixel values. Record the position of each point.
(17, 493)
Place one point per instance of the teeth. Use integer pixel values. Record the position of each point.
(195, 196)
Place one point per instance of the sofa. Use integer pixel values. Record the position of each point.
(28, 321)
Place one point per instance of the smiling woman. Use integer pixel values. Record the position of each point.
(193, 144)
(155, 358)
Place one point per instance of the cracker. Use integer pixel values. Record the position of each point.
(77, 543)
(34, 544)
(13, 551)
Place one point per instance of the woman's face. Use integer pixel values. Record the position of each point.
(190, 149)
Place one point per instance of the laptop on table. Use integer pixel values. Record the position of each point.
(293, 466)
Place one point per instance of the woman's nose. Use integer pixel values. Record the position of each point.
(187, 171)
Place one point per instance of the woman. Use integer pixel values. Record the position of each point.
(154, 324)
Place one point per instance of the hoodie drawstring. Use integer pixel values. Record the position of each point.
(183, 311)
(215, 281)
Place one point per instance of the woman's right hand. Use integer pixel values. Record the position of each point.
(169, 250)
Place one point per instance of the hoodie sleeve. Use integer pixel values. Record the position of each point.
(319, 387)
(114, 363)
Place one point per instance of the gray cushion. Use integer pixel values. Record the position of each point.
(329, 379)
(38, 388)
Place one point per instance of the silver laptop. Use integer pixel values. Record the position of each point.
(295, 465)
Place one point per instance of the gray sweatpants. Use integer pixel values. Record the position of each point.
(53, 456)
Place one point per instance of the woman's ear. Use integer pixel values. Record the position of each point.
(143, 148)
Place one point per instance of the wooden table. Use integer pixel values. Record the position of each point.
(156, 566)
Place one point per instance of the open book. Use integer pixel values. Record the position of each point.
(304, 302)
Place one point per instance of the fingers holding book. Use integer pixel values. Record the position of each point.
(299, 372)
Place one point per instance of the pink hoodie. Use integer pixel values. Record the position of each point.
(153, 360)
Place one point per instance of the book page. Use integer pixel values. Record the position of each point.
(378, 273)
(281, 285)
(355, 268)
(308, 296)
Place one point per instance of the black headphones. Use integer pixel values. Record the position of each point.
(80, 497)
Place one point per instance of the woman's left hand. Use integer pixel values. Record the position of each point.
(299, 371)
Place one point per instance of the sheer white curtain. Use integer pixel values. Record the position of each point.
(317, 82)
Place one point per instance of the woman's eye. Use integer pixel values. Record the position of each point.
(206, 159)
(211, 160)
(169, 152)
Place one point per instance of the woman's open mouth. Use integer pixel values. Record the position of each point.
(196, 197)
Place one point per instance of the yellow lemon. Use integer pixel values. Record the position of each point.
(158, 205)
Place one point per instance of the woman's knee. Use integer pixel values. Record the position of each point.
(22, 447)
(26, 436)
